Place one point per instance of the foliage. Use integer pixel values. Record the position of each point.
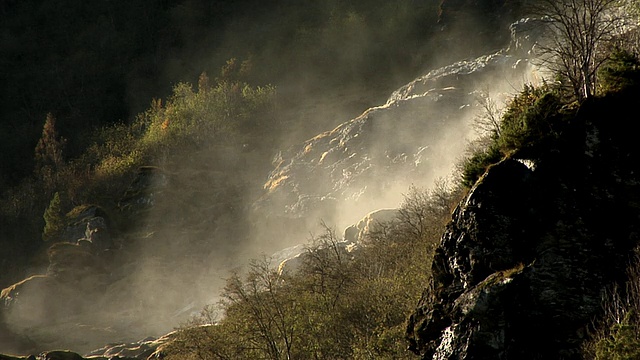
(54, 219)
(616, 334)
(48, 152)
(529, 121)
(188, 121)
(230, 109)
(188, 125)
(338, 304)
(620, 72)
(528, 129)
(123, 53)
(578, 32)
(622, 343)
(475, 164)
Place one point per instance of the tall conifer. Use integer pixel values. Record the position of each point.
(48, 152)
(53, 219)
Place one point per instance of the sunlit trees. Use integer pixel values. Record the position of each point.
(337, 304)
(578, 32)
(270, 310)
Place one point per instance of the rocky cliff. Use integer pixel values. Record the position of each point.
(521, 268)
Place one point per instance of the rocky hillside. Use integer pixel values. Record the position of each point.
(523, 262)
(523, 265)
(99, 288)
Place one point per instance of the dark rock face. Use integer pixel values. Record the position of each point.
(142, 194)
(521, 268)
(90, 223)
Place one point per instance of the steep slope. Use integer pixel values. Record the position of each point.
(521, 269)
(415, 138)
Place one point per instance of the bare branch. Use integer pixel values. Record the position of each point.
(578, 31)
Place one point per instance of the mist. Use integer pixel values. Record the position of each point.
(361, 116)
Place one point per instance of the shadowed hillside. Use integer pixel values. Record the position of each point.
(119, 231)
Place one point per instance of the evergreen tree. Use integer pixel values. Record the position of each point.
(48, 152)
(49, 148)
(53, 219)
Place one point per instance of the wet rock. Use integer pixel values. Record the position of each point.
(520, 269)
(411, 140)
(146, 349)
(89, 223)
(369, 224)
(356, 236)
(526, 34)
(143, 192)
(59, 355)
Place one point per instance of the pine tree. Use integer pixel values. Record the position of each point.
(48, 152)
(53, 219)
(50, 146)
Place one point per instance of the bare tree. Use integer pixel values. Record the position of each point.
(487, 122)
(579, 30)
(267, 305)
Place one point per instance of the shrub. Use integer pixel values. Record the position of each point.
(474, 165)
(622, 343)
(528, 129)
(621, 71)
(616, 334)
(528, 120)
(337, 305)
(229, 109)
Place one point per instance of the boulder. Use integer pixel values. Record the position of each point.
(355, 236)
(148, 348)
(372, 222)
(59, 355)
(89, 223)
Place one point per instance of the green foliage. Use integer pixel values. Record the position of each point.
(226, 110)
(528, 129)
(623, 342)
(477, 163)
(188, 121)
(222, 114)
(616, 334)
(54, 219)
(621, 71)
(528, 121)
